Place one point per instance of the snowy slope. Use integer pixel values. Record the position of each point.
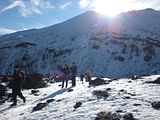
(126, 45)
(141, 95)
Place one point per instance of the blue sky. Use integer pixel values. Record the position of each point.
(16, 15)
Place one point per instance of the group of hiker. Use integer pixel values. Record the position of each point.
(68, 73)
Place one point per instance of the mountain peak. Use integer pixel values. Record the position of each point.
(106, 49)
(89, 13)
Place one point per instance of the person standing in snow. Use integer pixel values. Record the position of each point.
(2, 90)
(73, 70)
(81, 77)
(88, 75)
(18, 78)
(66, 73)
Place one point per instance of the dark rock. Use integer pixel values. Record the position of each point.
(70, 90)
(128, 116)
(3, 79)
(59, 100)
(147, 58)
(24, 45)
(62, 52)
(115, 116)
(78, 104)
(92, 99)
(51, 81)
(36, 94)
(103, 116)
(39, 106)
(123, 104)
(135, 110)
(95, 45)
(107, 116)
(119, 58)
(50, 100)
(106, 83)
(2, 100)
(119, 111)
(34, 81)
(108, 89)
(113, 79)
(127, 97)
(156, 104)
(122, 90)
(100, 93)
(34, 91)
(136, 104)
(157, 81)
(97, 81)
(132, 94)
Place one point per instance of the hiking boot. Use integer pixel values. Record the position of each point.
(14, 104)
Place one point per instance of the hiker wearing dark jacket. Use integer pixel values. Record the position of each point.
(18, 77)
(73, 70)
(66, 73)
(2, 90)
(81, 77)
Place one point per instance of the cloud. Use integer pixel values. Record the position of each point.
(136, 4)
(84, 3)
(143, 0)
(155, 4)
(64, 6)
(6, 31)
(29, 7)
(10, 6)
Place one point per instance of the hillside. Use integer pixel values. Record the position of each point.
(124, 46)
(124, 96)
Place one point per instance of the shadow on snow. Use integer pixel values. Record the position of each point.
(58, 92)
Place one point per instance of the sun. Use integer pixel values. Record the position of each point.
(111, 8)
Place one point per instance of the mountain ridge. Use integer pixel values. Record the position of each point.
(114, 48)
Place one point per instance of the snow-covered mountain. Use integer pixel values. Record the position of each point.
(123, 46)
